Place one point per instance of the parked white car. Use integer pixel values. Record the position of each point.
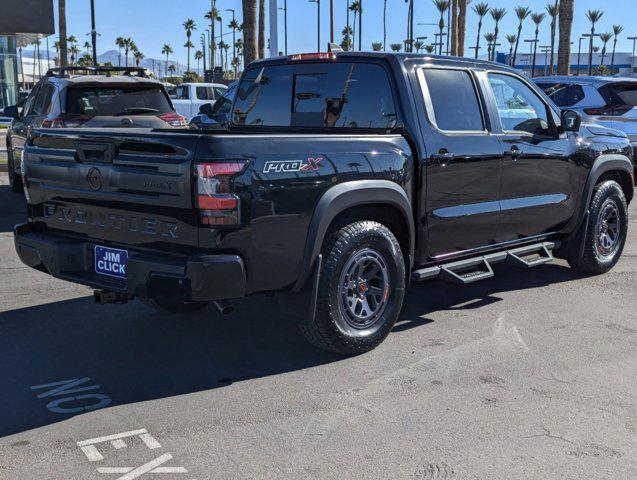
(188, 97)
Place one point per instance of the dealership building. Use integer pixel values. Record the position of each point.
(22, 22)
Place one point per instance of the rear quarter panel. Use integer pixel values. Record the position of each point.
(286, 177)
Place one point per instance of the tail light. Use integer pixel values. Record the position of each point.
(66, 120)
(609, 110)
(218, 206)
(174, 119)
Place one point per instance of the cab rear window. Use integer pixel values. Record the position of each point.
(338, 95)
(113, 101)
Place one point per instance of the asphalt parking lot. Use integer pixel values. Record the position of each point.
(527, 375)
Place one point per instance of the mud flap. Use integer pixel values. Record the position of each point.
(302, 305)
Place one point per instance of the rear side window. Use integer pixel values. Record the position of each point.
(564, 94)
(454, 100)
(180, 93)
(205, 93)
(341, 95)
(42, 104)
(224, 103)
(113, 101)
(618, 94)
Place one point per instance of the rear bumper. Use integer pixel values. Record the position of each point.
(197, 278)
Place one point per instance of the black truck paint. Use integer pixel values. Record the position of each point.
(445, 195)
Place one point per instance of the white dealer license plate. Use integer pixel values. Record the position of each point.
(110, 261)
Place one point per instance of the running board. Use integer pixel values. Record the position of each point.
(479, 268)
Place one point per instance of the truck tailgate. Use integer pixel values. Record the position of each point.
(131, 187)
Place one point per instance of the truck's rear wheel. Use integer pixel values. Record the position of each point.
(361, 289)
(606, 233)
(173, 306)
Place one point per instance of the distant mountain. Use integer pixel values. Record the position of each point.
(153, 64)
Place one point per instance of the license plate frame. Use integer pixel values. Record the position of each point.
(110, 261)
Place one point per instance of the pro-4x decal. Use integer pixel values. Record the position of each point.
(312, 164)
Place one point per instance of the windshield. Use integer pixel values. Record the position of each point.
(620, 94)
(112, 101)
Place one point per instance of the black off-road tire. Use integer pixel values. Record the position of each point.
(172, 306)
(591, 257)
(331, 328)
(15, 180)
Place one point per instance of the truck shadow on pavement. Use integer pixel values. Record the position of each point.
(135, 354)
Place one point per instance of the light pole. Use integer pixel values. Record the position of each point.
(93, 33)
(533, 50)
(318, 21)
(203, 50)
(632, 60)
(545, 49)
(590, 53)
(285, 24)
(579, 53)
(234, 47)
(331, 21)
(347, 27)
(213, 7)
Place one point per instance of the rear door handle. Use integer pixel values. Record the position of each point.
(442, 157)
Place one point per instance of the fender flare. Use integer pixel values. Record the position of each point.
(603, 163)
(341, 197)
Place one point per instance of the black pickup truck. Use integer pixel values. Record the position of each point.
(341, 177)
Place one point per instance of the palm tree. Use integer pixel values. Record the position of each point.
(617, 30)
(553, 9)
(119, 41)
(128, 44)
(87, 47)
(454, 27)
(166, 50)
(567, 8)
(462, 25)
(511, 39)
(377, 46)
(360, 25)
(239, 46)
(261, 40)
(212, 16)
(593, 17)
(189, 25)
(138, 56)
(171, 69)
(198, 57)
(395, 47)
(419, 45)
(355, 7)
(385, 25)
(430, 48)
(442, 6)
(605, 38)
(346, 42)
(497, 14)
(490, 38)
(537, 18)
(62, 32)
(234, 25)
(522, 13)
(481, 9)
(73, 50)
(249, 30)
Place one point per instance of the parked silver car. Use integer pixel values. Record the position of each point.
(88, 97)
(607, 101)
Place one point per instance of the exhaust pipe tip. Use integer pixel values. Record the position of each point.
(223, 306)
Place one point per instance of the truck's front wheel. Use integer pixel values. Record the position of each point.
(361, 289)
(603, 241)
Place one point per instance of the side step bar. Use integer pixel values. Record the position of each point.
(471, 270)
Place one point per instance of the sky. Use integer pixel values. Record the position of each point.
(152, 23)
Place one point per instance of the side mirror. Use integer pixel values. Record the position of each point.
(571, 121)
(206, 109)
(13, 111)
